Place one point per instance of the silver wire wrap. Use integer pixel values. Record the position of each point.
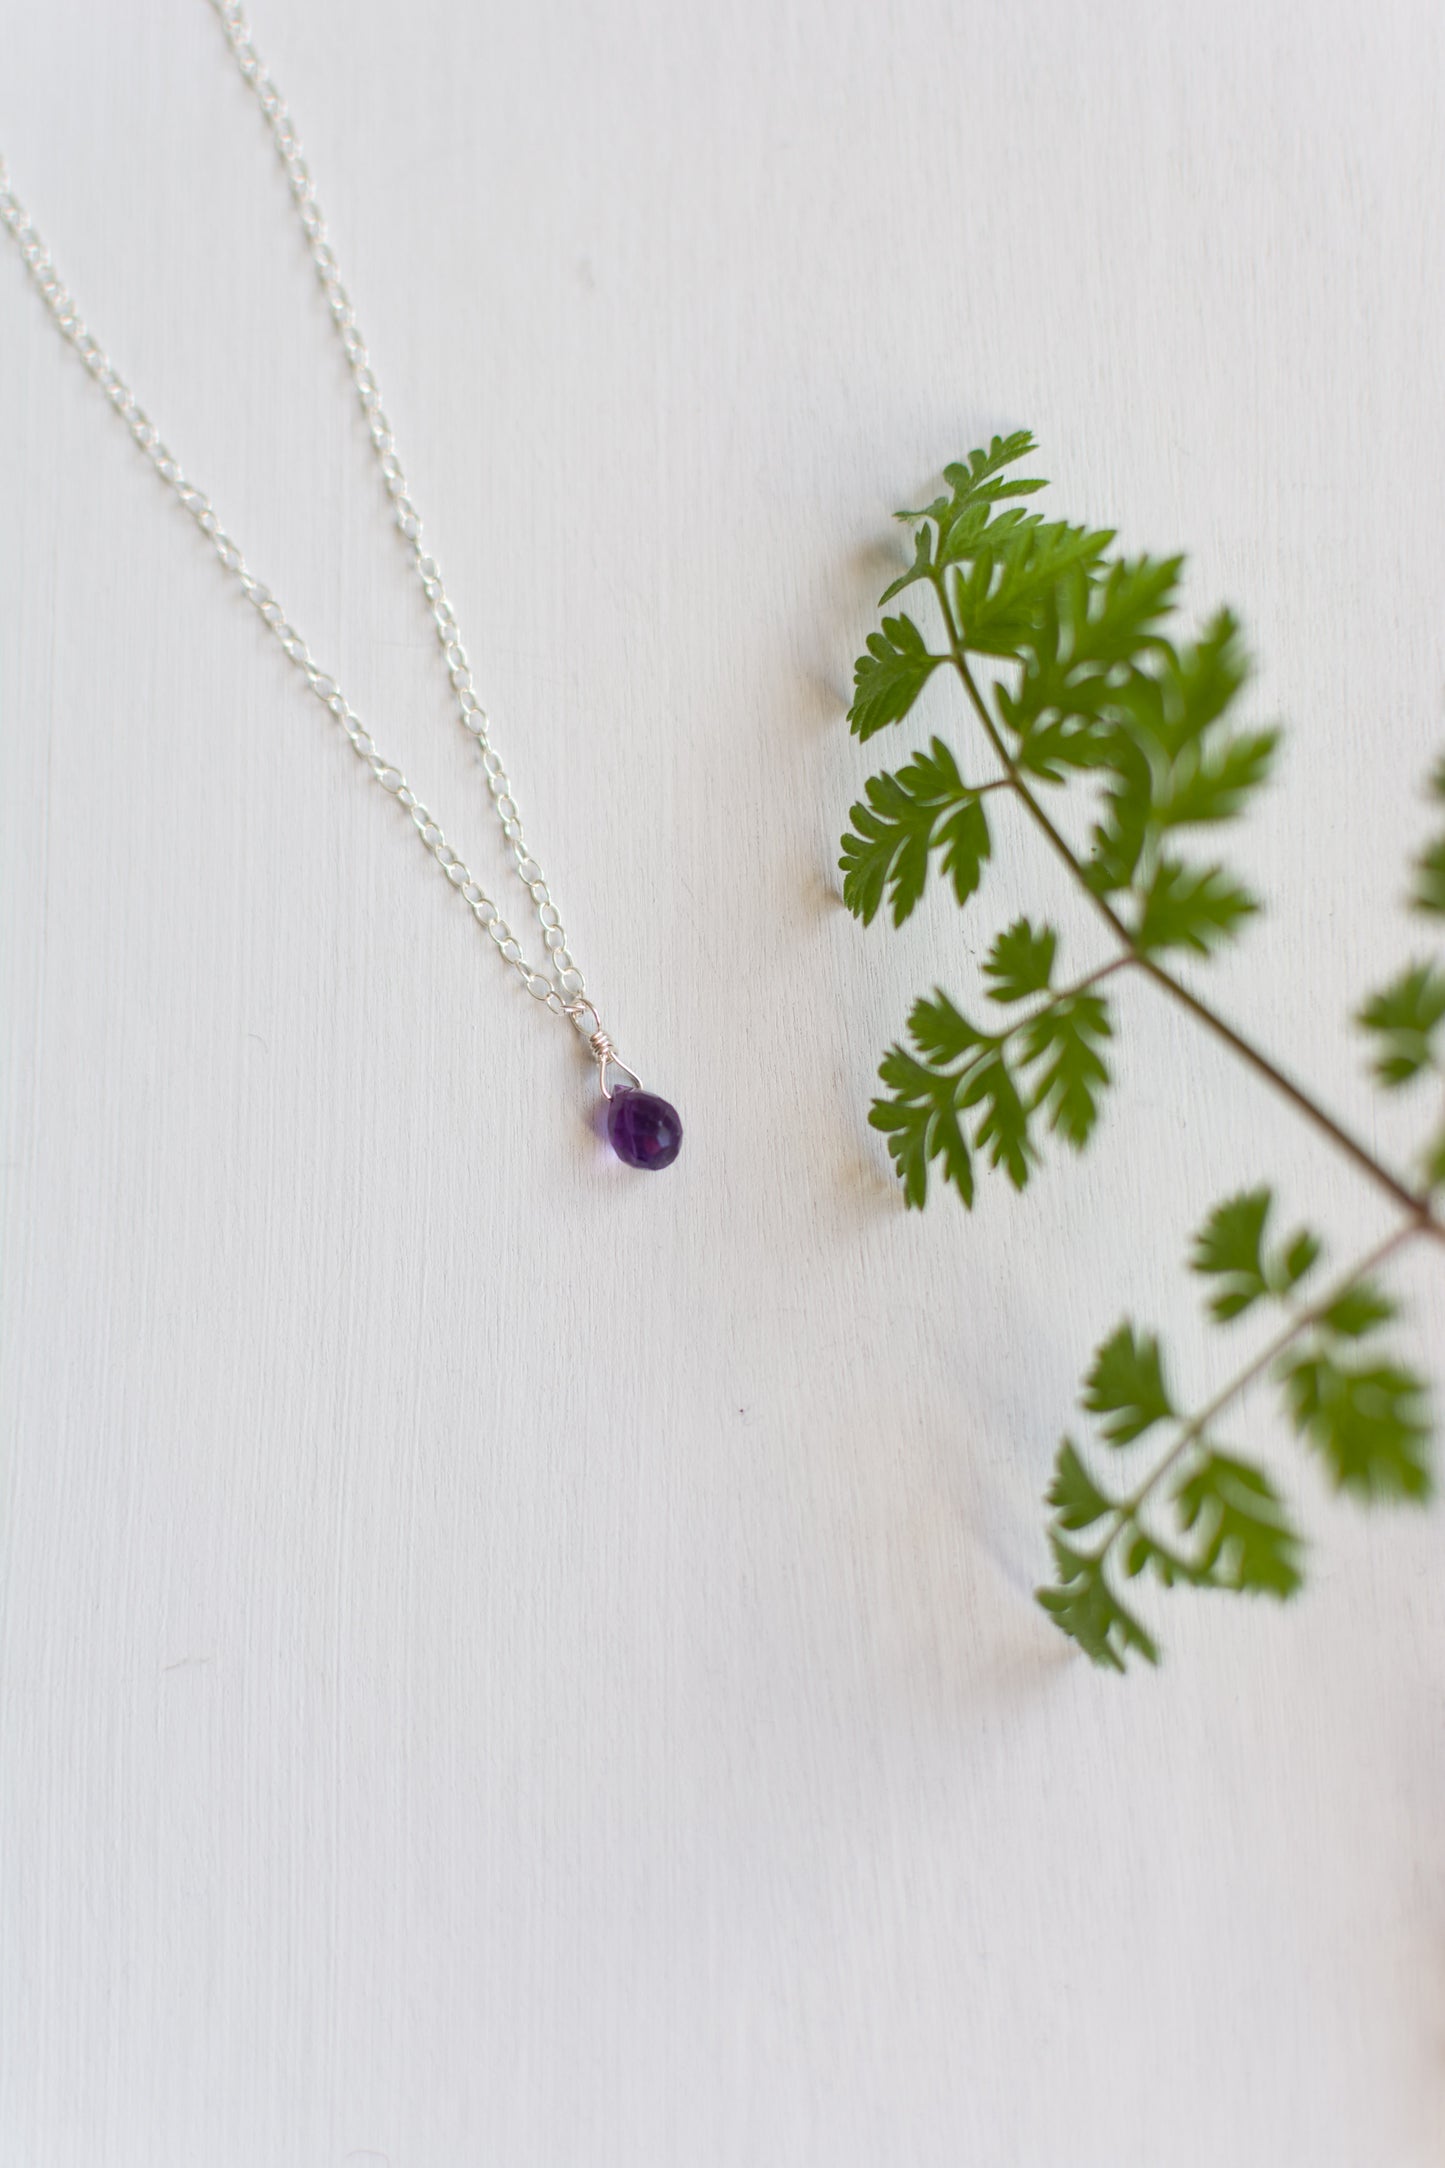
(559, 983)
(608, 1060)
(600, 1046)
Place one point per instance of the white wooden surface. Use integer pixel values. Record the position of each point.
(507, 1662)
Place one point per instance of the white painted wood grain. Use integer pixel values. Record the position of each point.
(506, 1663)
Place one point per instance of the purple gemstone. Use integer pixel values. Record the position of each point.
(644, 1130)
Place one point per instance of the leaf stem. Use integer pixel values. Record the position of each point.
(1414, 1202)
(1126, 1509)
(1058, 997)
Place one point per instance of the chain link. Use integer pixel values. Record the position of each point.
(559, 983)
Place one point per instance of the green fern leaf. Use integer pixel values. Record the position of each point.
(1208, 782)
(922, 807)
(1084, 1607)
(1429, 892)
(890, 676)
(1238, 1518)
(941, 1031)
(1194, 907)
(1198, 683)
(920, 1121)
(998, 600)
(1361, 1309)
(954, 527)
(1367, 1419)
(1021, 961)
(1126, 1386)
(1229, 1248)
(1003, 1128)
(1122, 832)
(1074, 1495)
(1064, 1042)
(1403, 1017)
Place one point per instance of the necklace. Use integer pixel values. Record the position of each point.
(644, 1130)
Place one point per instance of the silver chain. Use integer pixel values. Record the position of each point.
(559, 983)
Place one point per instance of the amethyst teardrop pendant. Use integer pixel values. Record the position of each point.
(643, 1130)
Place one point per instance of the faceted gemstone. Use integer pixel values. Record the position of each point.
(644, 1130)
